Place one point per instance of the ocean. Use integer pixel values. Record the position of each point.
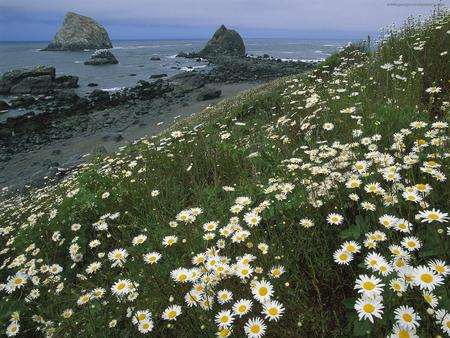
(134, 59)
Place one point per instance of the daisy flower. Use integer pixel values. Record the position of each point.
(406, 317)
(273, 310)
(121, 287)
(118, 257)
(152, 257)
(342, 256)
(242, 307)
(224, 296)
(277, 271)
(401, 332)
(426, 279)
(411, 243)
(145, 326)
(369, 286)
(368, 308)
(255, 328)
(224, 318)
(12, 329)
(172, 312)
(169, 240)
(429, 216)
(262, 291)
(335, 219)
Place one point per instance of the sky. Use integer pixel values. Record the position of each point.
(39, 20)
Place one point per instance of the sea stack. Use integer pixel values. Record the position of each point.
(224, 41)
(79, 33)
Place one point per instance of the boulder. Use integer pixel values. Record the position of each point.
(3, 106)
(67, 95)
(66, 81)
(22, 101)
(209, 94)
(157, 76)
(33, 85)
(99, 95)
(13, 77)
(188, 81)
(79, 33)
(155, 58)
(102, 57)
(92, 84)
(224, 42)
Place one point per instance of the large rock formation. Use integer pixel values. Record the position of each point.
(36, 80)
(101, 57)
(224, 41)
(78, 33)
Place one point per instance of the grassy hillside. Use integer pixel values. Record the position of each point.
(313, 206)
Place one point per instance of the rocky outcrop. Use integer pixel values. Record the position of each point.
(36, 80)
(78, 33)
(102, 57)
(224, 41)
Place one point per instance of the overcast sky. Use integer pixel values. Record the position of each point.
(31, 20)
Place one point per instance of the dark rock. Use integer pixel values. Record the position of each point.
(14, 77)
(99, 95)
(22, 101)
(188, 81)
(67, 95)
(157, 76)
(66, 81)
(224, 42)
(101, 57)
(79, 33)
(132, 74)
(209, 94)
(3, 106)
(92, 84)
(155, 58)
(33, 85)
(182, 55)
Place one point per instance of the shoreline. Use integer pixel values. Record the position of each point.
(41, 163)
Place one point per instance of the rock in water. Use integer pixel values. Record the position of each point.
(224, 41)
(78, 33)
(102, 57)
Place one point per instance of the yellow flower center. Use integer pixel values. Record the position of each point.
(273, 311)
(403, 334)
(182, 277)
(121, 286)
(439, 268)
(18, 281)
(172, 314)
(351, 248)
(407, 317)
(255, 329)
(368, 286)
(263, 291)
(224, 333)
(343, 256)
(224, 319)
(146, 326)
(242, 308)
(14, 329)
(141, 316)
(369, 308)
(433, 216)
(426, 277)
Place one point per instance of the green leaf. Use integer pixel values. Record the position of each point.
(361, 328)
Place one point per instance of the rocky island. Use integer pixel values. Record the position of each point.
(79, 33)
